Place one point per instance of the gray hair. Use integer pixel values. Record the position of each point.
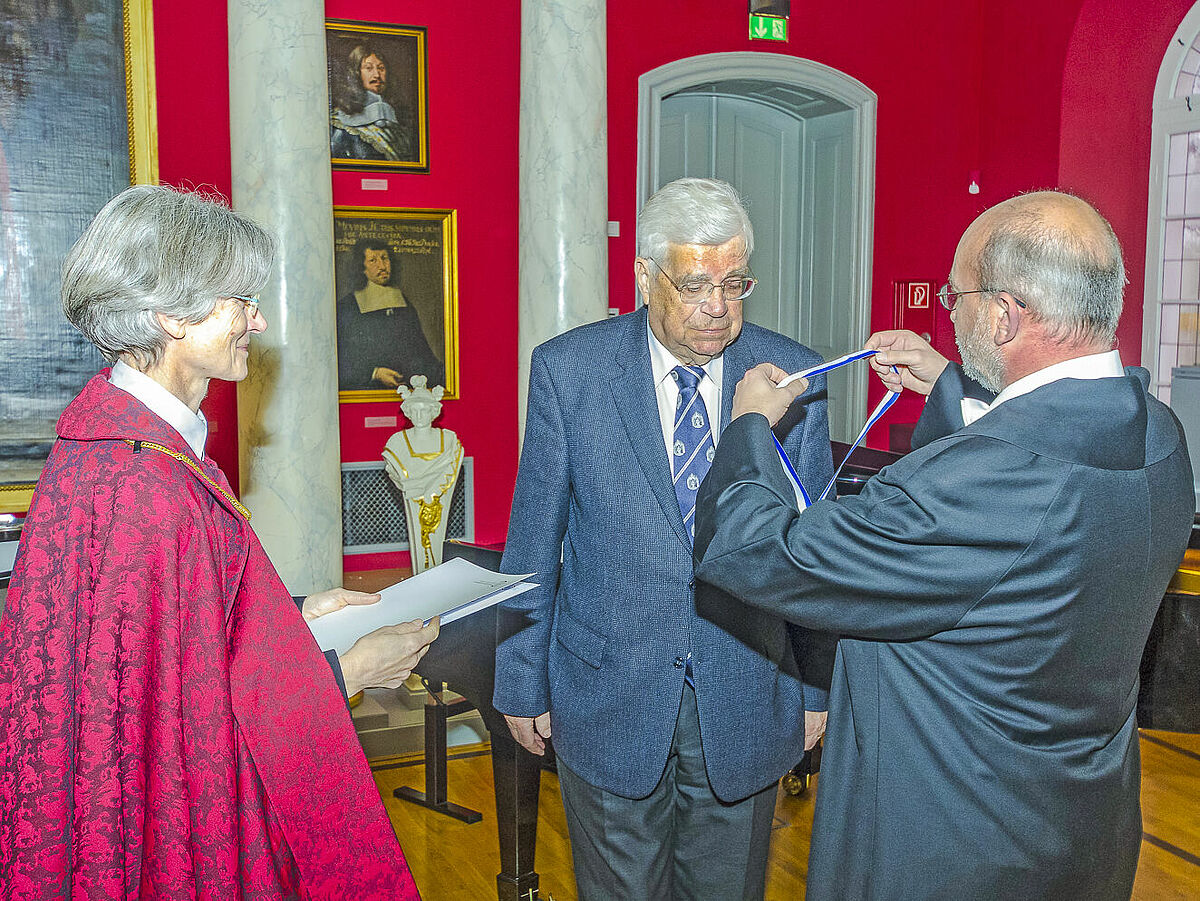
(692, 211)
(1071, 278)
(153, 249)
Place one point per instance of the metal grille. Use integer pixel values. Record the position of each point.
(373, 517)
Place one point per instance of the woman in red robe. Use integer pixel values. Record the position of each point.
(168, 727)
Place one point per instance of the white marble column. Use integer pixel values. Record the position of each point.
(564, 172)
(287, 407)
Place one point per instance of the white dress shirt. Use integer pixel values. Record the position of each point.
(666, 391)
(192, 427)
(1105, 365)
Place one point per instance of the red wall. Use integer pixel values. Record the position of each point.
(968, 86)
(1108, 88)
(1023, 45)
(961, 87)
(473, 102)
(474, 81)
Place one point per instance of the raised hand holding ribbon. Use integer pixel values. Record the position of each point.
(802, 496)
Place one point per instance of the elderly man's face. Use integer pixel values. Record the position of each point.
(373, 72)
(377, 266)
(973, 316)
(693, 333)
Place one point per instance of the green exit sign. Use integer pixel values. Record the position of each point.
(768, 28)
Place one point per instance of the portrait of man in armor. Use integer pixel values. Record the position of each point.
(377, 96)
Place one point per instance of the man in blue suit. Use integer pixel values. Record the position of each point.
(994, 588)
(672, 722)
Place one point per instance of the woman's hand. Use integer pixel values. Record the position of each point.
(334, 599)
(389, 378)
(386, 657)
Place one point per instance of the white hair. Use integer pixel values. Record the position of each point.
(703, 211)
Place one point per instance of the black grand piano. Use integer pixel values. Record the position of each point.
(464, 657)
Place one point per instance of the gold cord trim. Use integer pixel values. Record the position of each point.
(191, 464)
(427, 456)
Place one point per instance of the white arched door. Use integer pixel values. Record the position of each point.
(797, 140)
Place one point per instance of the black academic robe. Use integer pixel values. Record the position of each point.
(994, 589)
(393, 338)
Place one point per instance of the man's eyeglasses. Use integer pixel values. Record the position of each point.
(736, 287)
(948, 297)
(251, 303)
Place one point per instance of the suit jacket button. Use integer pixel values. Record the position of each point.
(691, 583)
(679, 663)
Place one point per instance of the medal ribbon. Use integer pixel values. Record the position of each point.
(802, 498)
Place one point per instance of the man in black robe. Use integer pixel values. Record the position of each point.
(381, 341)
(994, 588)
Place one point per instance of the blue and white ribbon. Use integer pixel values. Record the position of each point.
(802, 498)
(828, 366)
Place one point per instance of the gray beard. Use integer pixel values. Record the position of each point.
(981, 357)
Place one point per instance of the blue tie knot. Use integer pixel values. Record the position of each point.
(688, 377)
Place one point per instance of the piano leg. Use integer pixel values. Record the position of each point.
(517, 775)
(434, 797)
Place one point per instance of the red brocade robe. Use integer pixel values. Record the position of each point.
(168, 727)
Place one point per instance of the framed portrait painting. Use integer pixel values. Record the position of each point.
(397, 300)
(378, 96)
(77, 125)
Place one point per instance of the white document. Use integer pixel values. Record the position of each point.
(8, 556)
(452, 590)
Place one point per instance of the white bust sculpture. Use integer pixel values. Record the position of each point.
(423, 462)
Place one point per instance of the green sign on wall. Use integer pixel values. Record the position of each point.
(768, 28)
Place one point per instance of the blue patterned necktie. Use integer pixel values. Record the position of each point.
(692, 451)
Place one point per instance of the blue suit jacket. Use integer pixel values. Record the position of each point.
(601, 643)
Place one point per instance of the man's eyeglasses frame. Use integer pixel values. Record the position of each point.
(948, 297)
(728, 286)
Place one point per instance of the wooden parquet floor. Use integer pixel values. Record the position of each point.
(453, 861)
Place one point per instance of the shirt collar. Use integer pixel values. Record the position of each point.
(1093, 366)
(373, 297)
(662, 361)
(192, 427)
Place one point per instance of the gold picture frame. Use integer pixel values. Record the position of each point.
(19, 473)
(378, 96)
(141, 92)
(396, 297)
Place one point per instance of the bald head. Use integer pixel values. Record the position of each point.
(1059, 256)
(1055, 211)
